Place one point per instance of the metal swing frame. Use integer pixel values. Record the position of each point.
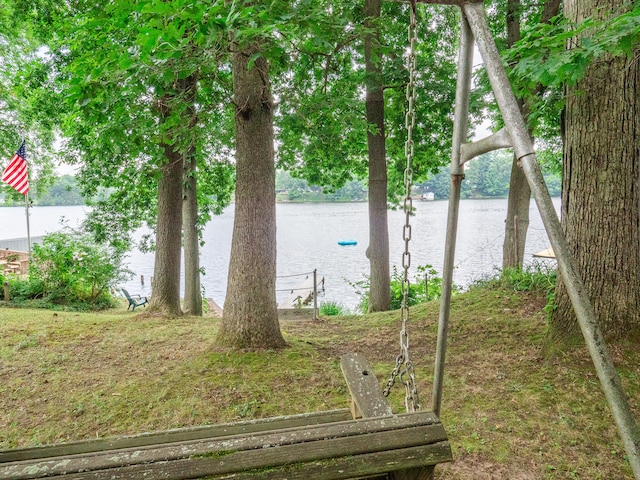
(474, 27)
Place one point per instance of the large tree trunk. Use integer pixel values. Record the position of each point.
(378, 251)
(601, 195)
(166, 280)
(250, 316)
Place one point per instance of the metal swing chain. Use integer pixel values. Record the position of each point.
(404, 366)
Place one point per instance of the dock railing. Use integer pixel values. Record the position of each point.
(304, 292)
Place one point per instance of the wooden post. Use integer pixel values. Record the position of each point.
(516, 240)
(315, 294)
(6, 291)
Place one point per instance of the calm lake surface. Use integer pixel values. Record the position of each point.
(308, 236)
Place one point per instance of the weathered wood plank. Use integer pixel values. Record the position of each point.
(359, 466)
(175, 435)
(241, 452)
(366, 394)
(369, 401)
(304, 455)
(321, 445)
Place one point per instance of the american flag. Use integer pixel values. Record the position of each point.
(16, 172)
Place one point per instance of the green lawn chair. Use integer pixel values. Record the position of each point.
(134, 300)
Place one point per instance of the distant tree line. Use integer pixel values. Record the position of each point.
(485, 177)
(63, 192)
(294, 189)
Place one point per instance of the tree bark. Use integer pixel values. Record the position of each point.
(250, 318)
(601, 195)
(192, 302)
(378, 251)
(517, 221)
(166, 280)
(192, 290)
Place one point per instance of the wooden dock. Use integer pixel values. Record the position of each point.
(215, 310)
(303, 294)
(14, 261)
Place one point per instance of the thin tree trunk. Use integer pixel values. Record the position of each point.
(517, 221)
(250, 316)
(192, 292)
(601, 195)
(378, 251)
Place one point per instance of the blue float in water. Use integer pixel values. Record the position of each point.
(347, 242)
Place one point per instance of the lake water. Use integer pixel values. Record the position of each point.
(308, 237)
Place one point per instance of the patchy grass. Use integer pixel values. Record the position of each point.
(510, 413)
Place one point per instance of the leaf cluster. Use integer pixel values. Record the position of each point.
(558, 53)
(322, 122)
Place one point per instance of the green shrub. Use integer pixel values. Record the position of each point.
(427, 285)
(69, 269)
(535, 277)
(331, 309)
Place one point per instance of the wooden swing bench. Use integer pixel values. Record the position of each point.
(325, 445)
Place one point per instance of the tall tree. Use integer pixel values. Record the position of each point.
(517, 221)
(378, 251)
(126, 71)
(601, 194)
(192, 294)
(250, 317)
(367, 138)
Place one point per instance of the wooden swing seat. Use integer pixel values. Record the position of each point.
(325, 445)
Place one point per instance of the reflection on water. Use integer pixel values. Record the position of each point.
(308, 237)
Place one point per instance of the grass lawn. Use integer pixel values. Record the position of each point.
(510, 412)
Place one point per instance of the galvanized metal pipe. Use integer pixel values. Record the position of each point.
(495, 141)
(461, 121)
(523, 146)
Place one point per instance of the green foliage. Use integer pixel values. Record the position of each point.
(322, 123)
(488, 176)
(24, 115)
(542, 56)
(294, 189)
(114, 71)
(536, 277)
(64, 191)
(329, 309)
(426, 286)
(69, 269)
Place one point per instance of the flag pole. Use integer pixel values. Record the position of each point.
(26, 197)
(26, 201)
